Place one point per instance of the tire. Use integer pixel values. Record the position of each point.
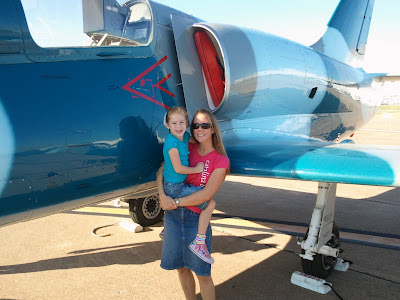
(146, 211)
(322, 266)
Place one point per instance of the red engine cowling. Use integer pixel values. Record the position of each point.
(213, 69)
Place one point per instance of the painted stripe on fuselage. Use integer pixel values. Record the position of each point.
(128, 85)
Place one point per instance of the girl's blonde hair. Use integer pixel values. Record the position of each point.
(217, 143)
(176, 110)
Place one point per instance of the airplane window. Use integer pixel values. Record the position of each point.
(55, 23)
(139, 12)
(88, 23)
(139, 25)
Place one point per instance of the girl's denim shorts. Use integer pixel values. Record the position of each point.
(182, 189)
(180, 229)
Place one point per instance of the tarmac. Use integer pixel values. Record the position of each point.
(256, 226)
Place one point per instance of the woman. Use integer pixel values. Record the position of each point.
(181, 216)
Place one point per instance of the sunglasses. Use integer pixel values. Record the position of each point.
(202, 125)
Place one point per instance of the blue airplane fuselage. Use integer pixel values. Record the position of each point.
(84, 124)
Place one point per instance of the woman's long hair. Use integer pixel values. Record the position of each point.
(217, 143)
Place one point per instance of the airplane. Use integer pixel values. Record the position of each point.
(81, 112)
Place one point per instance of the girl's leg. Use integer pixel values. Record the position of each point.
(188, 284)
(207, 288)
(205, 217)
(198, 245)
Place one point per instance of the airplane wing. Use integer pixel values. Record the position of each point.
(315, 161)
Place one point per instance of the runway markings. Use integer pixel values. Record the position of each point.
(262, 233)
(102, 211)
(380, 130)
(236, 226)
(241, 227)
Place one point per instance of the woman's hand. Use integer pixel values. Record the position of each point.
(167, 203)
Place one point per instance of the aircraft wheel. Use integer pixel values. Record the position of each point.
(146, 211)
(322, 266)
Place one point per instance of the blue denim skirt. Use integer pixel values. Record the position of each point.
(180, 229)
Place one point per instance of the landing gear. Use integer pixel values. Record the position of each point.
(321, 242)
(146, 211)
(322, 265)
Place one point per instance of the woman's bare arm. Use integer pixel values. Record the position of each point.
(166, 202)
(213, 184)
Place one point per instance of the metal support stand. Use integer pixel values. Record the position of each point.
(310, 282)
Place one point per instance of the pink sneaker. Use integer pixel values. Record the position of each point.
(201, 251)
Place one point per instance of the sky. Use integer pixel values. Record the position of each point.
(304, 21)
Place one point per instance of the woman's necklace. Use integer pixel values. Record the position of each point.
(203, 152)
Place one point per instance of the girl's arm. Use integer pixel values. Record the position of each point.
(181, 169)
(217, 177)
(166, 202)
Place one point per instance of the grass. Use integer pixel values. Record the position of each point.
(389, 108)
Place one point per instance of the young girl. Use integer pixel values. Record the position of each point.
(176, 168)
